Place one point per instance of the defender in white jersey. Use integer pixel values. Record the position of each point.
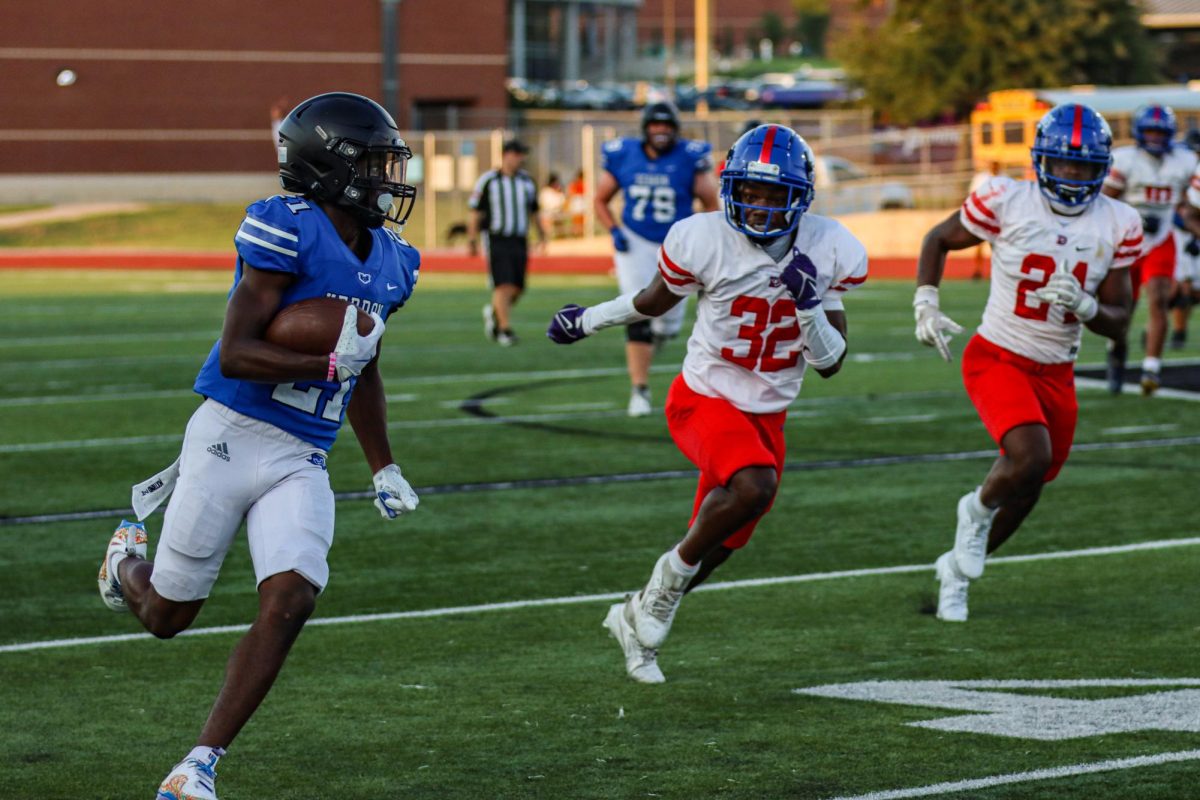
(1060, 258)
(1186, 291)
(1152, 176)
(769, 281)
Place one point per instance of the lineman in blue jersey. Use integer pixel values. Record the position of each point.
(661, 176)
(256, 447)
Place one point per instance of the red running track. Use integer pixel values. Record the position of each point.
(900, 267)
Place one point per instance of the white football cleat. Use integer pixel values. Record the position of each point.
(654, 606)
(641, 663)
(952, 596)
(971, 538)
(191, 779)
(129, 539)
(639, 403)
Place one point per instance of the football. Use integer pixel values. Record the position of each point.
(312, 326)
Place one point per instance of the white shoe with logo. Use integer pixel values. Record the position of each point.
(952, 595)
(971, 538)
(129, 539)
(641, 663)
(191, 779)
(639, 403)
(654, 606)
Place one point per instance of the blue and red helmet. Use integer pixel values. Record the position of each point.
(1154, 118)
(1072, 137)
(774, 155)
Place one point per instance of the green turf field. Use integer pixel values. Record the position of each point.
(472, 699)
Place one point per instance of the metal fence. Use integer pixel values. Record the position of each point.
(933, 162)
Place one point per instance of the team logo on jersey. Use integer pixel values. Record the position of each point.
(775, 282)
(1062, 240)
(364, 277)
(220, 450)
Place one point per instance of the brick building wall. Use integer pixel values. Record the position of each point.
(174, 87)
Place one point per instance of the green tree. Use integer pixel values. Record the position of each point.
(771, 27)
(812, 25)
(936, 56)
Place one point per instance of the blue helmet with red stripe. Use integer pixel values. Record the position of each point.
(776, 161)
(1154, 118)
(1072, 153)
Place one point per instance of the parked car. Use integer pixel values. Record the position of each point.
(843, 187)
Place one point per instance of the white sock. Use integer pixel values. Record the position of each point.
(680, 566)
(977, 508)
(204, 753)
(1151, 364)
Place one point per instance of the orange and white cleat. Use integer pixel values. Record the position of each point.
(129, 539)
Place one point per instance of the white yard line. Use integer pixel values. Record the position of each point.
(1162, 544)
(973, 784)
(1170, 426)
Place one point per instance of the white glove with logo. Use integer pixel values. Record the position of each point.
(353, 352)
(933, 327)
(393, 495)
(1063, 289)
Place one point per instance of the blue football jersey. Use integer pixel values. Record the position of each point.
(293, 235)
(658, 191)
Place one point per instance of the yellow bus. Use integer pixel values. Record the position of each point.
(1003, 125)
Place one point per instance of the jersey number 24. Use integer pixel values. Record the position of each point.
(1041, 311)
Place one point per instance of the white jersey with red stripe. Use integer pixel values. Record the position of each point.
(1028, 241)
(746, 345)
(1153, 185)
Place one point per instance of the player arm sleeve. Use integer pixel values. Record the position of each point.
(982, 211)
(824, 344)
(1129, 246)
(269, 237)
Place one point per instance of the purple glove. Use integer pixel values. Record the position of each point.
(800, 278)
(620, 243)
(566, 326)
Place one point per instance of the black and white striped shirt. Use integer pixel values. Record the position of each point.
(507, 202)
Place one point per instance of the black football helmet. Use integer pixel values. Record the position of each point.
(345, 149)
(662, 111)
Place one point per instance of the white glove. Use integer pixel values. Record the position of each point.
(933, 327)
(393, 495)
(353, 352)
(1063, 289)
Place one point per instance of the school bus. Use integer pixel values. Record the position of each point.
(1003, 125)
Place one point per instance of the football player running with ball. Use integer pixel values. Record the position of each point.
(255, 448)
(769, 280)
(1060, 258)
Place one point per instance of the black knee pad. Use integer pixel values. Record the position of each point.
(639, 332)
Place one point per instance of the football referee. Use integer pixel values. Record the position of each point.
(503, 205)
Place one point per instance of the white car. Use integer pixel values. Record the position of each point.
(843, 187)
